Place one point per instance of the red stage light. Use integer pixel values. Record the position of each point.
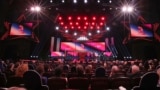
(62, 23)
(101, 23)
(85, 18)
(78, 18)
(98, 27)
(79, 27)
(85, 27)
(70, 23)
(77, 23)
(81, 24)
(93, 23)
(59, 18)
(102, 18)
(94, 18)
(72, 27)
(91, 27)
(69, 18)
(65, 27)
(86, 23)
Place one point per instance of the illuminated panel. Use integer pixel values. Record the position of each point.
(70, 46)
(70, 53)
(67, 46)
(107, 54)
(21, 29)
(83, 47)
(57, 54)
(143, 30)
(100, 46)
(81, 22)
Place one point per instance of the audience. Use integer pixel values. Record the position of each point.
(33, 81)
(112, 69)
(158, 72)
(135, 72)
(58, 72)
(40, 70)
(80, 70)
(17, 79)
(148, 81)
(100, 72)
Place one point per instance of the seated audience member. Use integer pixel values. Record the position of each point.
(33, 81)
(158, 72)
(135, 72)
(148, 81)
(80, 70)
(40, 70)
(114, 71)
(100, 72)
(17, 79)
(10, 71)
(3, 79)
(88, 69)
(73, 69)
(65, 70)
(73, 72)
(31, 67)
(58, 72)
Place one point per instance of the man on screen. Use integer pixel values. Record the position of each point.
(140, 30)
(21, 28)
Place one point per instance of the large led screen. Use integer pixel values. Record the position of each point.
(21, 29)
(83, 47)
(143, 30)
(57, 54)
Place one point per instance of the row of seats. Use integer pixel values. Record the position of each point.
(96, 83)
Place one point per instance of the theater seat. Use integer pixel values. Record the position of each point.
(121, 81)
(100, 83)
(57, 83)
(81, 83)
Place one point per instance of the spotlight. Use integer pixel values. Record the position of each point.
(74, 1)
(75, 34)
(127, 9)
(63, 1)
(57, 28)
(51, 1)
(66, 31)
(98, 31)
(35, 9)
(98, 1)
(89, 34)
(107, 28)
(85, 1)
